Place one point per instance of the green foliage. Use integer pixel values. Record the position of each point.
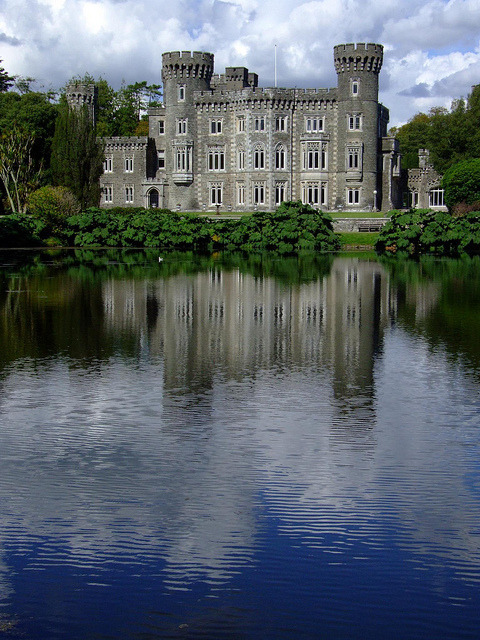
(77, 157)
(462, 183)
(18, 230)
(18, 172)
(451, 136)
(52, 206)
(422, 231)
(6, 81)
(293, 227)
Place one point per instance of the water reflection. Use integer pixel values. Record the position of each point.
(182, 422)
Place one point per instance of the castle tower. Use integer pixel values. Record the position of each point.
(79, 95)
(183, 73)
(360, 120)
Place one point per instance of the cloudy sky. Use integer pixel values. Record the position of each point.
(432, 47)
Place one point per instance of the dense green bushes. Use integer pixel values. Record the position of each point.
(18, 230)
(462, 185)
(422, 231)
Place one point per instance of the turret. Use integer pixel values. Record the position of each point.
(360, 120)
(184, 72)
(80, 94)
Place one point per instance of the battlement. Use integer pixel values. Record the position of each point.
(81, 93)
(361, 56)
(185, 64)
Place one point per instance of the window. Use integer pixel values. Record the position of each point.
(216, 193)
(161, 127)
(108, 165)
(313, 124)
(259, 193)
(410, 199)
(353, 158)
(240, 124)
(129, 164)
(259, 157)
(259, 123)
(353, 196)
(181, 92)
(355, 85)
(436, 198)
(355, 122)
(280, 157)
(314, 156)
(128, 194)
(108, 194)
(216, 159)
(161, 159)
(280, 192)
(182, 158)
(215, 126)
(240, 193)
(314, 193)
(182, 126)
(281, 123)
(241, 159)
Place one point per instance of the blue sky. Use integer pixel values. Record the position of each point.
(432, 47)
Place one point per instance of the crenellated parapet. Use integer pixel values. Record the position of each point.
(184, 65)
(352, 58)
(81, 94)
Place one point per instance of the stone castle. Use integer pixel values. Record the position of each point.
(219, 142)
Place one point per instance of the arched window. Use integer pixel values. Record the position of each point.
(153, 198)
(280, 157)
(259, 157)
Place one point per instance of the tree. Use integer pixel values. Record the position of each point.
(6, 81)
(18, 172)
(77, 156)
(462, 185)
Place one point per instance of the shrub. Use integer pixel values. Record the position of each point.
(53, 206)
(462, 183)
(18, 230)
(421, 231)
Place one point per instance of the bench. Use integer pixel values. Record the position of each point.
(370, 226)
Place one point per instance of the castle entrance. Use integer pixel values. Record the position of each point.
(153, 199)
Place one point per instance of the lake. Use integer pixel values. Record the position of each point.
(238, 447)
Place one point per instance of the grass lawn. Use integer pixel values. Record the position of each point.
(357, 239)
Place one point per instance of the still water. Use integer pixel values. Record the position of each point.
(238, 448)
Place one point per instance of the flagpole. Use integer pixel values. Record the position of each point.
(275, 66)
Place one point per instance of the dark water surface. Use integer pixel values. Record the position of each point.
(238, 448)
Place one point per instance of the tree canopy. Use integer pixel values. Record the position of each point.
(450, 135)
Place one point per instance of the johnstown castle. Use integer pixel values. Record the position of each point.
(219, 142)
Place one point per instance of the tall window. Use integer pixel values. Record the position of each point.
(353, 196)
(436, 198)
(314, 193)
(240, 124)
(216, 159)
(129, 164)
(353, 158)
(259, 157)
(355, 86)
(240, 193)
(128, 194)
(108, 194)
(216, 193)
(161, 127)
(108, 164)
(259, 193)
(182, 126)
(280, 192)
(161, 159)
(313, 124)
(280, 157)
(181, 92)
(281, 123)
(216, 126)
(182, 159)
(241, 159)
(259, 123)
(314, 156)
(355, 122)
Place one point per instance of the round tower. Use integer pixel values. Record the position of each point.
(359, 175)
(79, 95)
(183, 73)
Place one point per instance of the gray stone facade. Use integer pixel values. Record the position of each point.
(221, 141)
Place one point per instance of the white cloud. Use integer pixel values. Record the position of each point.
(432, 44)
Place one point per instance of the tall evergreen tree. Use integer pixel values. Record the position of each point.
(77, 156)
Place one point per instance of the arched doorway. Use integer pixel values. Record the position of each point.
(153, 198)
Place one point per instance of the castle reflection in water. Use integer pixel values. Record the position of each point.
(240, 324)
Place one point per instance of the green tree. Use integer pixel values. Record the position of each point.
(52, 206)
(6, 81)
(462, 185)
(77, 156)
(18, 171)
